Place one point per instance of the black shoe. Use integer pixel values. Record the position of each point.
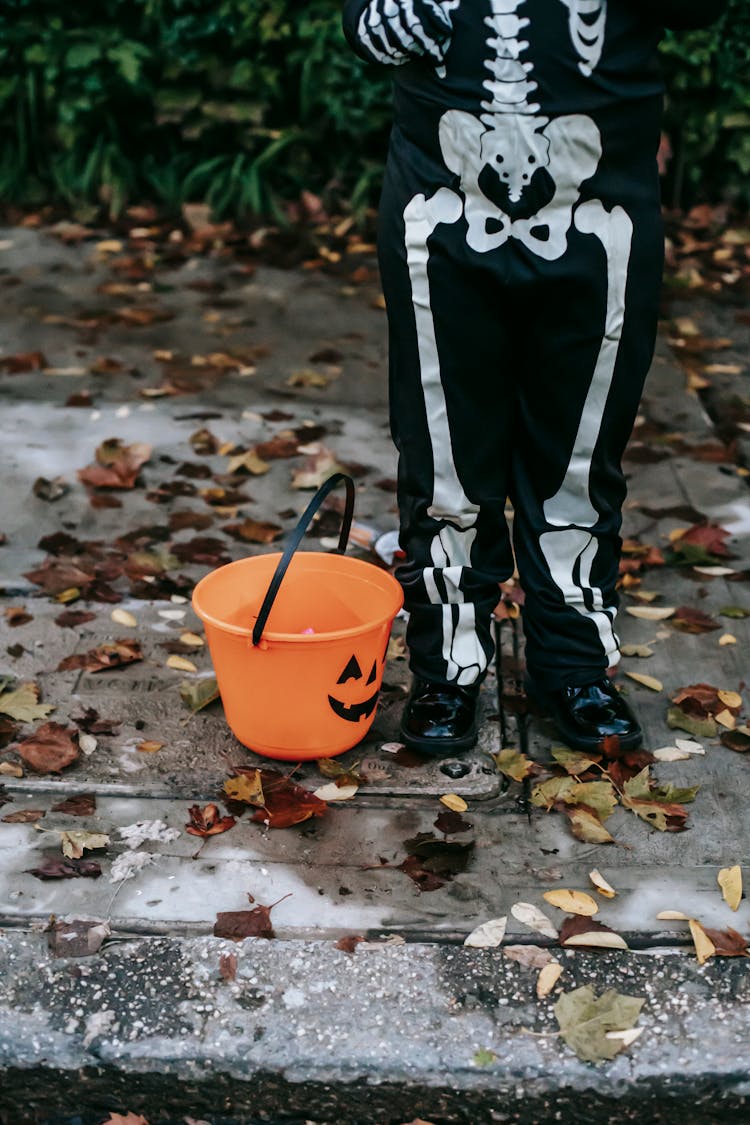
(585, 716)
(440, 718)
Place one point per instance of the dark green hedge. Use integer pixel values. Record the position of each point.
(244, 103)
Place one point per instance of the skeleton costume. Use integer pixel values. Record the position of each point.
(521, 249)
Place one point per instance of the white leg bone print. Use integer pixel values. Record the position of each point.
(513, 141)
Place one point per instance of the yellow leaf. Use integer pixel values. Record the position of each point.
(334, 792)
(149, 747)
(246, 787)
(672, 916)
(601, 884)
(548, 978)
(181, 664)
(730, 698)
(627, 1037)
(651, 612)
(597, 939)
(647, 681)
(192, 639)
(453, 802)
(122, 617)
(575, 902)
(726, 719)
(730, 881)
(74, 843)
(704, 947)
(10, 769)
(727, 639)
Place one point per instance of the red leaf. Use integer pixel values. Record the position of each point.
(228, 966)
(708, 535)
(286, 802)
(22, 362)
(50, 749)
(58, 867)
(240, 924)
(728, 942)
(689, 620)
(207, 821)
(349, 944)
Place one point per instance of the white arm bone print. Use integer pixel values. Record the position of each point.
(395, 31)
(512, 141)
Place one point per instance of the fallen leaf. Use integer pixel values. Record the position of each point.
(643, 651)
(727, 639)
(548, 978)
(254, 531)
(316, 469)
(349, 943)
(730, 881)
(573, 902)
(22, 704)
(450, 822)
(75, 843)
(105, 658)
(246, 787)
(197, 694)
(672, 916)
(689, 620)
(574, 762)
(677, 719)
(531, 916)
(453, 802)
(240, 924)
(334, 792)
(285, 803)
(117, 466)
(513, 764)
(122, 617)
(647, 681)
(484, 1057)
(585, 1019)
(84, 804)
(586, 825)
(150, 746)
(489, 935)
(56, 867)
(727, 943)
(82, 937)
(228, 966)
(732, 700)
(128, 1119)
(704, 947)
(180, 664)
(50, 748)
(650, 612)
(23, 816)
(737, 740)
(530, 956)
(192, 640)
(207, 821)
(601, 884)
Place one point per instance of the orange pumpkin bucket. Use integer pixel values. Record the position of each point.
(298, 642)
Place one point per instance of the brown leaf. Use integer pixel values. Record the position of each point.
(105, 658)
(50, 490)
(705, 700)
(55, 866)
(253, 531)
(450, 823)
(728, 943)
(80, 938)
(737, 740)
(23, 816)
(228, 966)
(117, 465)
(84, 804)
(17, 615)
(207, 821)
(579, 925)
(586, 825)
(709, 536)
(58, 575)
(349, 943)
(91, 722)
(50, 749)
(689, 620)
(72, 618)
(128, 1119)
(23, 362)
(240, 924)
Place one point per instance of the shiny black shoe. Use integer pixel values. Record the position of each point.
(440, 718)
(586, 715)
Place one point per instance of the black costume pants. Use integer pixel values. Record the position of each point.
(521, 252)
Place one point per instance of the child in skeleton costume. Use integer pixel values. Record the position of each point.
(521, 254)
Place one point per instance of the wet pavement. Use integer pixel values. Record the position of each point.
(314, 1031)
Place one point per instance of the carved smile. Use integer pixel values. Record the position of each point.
(353, 712)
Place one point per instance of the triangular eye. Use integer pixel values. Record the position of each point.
(351, 672)
(373, 673)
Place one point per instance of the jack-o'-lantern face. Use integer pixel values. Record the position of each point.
(348, 702)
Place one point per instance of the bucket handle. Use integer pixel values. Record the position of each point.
(296, 538)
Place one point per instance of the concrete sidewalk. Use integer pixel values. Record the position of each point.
(307, 1032)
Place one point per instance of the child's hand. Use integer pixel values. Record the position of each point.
(395, 31)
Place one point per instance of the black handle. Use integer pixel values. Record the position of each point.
(296, 538)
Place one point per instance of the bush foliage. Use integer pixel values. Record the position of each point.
(245, 103)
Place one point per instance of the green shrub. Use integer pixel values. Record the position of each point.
(245, 103)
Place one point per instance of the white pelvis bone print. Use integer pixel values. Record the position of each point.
(513, 141)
